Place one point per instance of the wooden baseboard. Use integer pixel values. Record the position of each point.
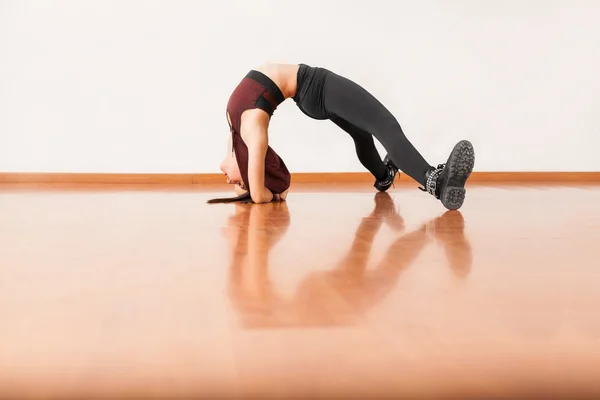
(300, 177)
(541, 177)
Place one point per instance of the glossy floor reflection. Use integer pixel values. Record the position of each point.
(345, 292)
(146, 291)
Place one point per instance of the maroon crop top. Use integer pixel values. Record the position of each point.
(257, 90)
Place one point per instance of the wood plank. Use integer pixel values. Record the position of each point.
(50, 177)
(298, 177)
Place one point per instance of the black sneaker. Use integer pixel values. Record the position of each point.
(392, 170)
(447, 181)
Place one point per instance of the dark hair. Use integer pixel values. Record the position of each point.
(244, 198)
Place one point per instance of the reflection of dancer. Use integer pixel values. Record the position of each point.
(448, 230)
(341, 295)
(363, 287)
(252, 232)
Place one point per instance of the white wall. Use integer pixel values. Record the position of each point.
(141, 86)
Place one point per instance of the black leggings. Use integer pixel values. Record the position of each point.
(322, 94)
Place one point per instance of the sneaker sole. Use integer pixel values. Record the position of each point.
(460, 165)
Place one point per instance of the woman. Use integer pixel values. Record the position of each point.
(261, 176)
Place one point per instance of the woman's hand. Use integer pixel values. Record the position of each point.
(280, 196)
(239, 190)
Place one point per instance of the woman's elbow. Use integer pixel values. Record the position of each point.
(259, 198)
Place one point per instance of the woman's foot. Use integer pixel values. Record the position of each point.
(447, 181)
(384, 184)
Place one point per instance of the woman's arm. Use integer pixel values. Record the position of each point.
(255, 134)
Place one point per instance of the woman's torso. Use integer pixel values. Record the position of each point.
(284, 76)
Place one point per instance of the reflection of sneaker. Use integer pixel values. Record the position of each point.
(385, 208)
(392, 170)
(449, 230)
(447, 181)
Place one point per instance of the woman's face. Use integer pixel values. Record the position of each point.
(230, 168)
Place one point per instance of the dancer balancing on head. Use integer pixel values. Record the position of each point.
(261, 176)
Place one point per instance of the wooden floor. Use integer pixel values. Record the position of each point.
(149, 292)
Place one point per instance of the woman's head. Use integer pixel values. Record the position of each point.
(231, 170)
(230, 167)
(277, 176)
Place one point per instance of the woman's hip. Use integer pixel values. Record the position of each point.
(310, 91)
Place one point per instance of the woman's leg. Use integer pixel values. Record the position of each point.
(345, 100)
(365, 148)
(322, 94)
